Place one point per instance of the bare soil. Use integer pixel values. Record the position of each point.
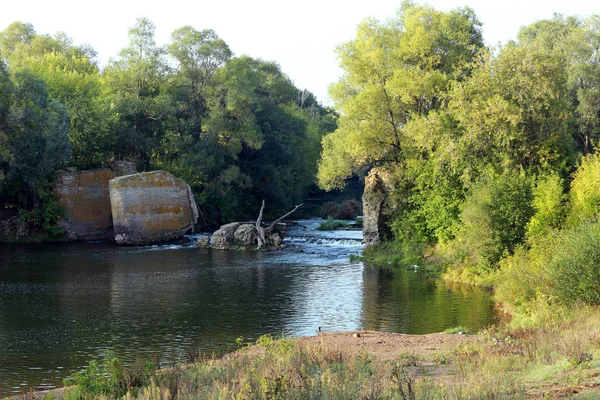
(388, 346)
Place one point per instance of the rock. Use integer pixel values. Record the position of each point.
(245, 235)
(224, 238)
(237, 235)
(85, 199)
(376, 206)
(274, 240)
(151, 207)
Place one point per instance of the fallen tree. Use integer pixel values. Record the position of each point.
(262, 232)
(237, 235)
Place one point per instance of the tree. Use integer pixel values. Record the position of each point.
(199, 54)
(576, 43)
(14, 35)
(6, 155)
(133, 93)
(37, 131)
(392, 73)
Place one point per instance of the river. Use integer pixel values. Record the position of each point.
(62, 305)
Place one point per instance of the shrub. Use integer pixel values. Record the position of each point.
(585, 191)
(349, 209)
(494, 217)
(331, 225)
(575, 265)
(549, 204)
(114, 381)
(329, 209)
(523, 279)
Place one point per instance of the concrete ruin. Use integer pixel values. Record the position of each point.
(376, 207)
(151, 207)
(85, 199)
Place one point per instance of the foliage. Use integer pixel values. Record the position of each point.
(584, 196)
(113, 381)
(575, 265)
(549, 203)
(331, 225)
(394, 72)
(495, 216)
(235, 128)
(347, 209)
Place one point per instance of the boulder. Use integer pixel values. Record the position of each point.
(151, 207)
(85, 199)
(245, 235)
(274, 240)
(225, 236)
(237, 235)
(376, 206)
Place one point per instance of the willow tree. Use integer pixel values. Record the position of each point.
(393, 72)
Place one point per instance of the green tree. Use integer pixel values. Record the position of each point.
(394, 72)
(37, 131)
(495, 217)
(575, 42)
(17, 33)
(199, 54)
(133, 94)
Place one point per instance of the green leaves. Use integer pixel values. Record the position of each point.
(394, 73)
(37, 131)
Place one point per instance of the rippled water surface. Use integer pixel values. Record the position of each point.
(62, 305)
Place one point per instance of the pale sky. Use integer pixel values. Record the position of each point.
(301, 36)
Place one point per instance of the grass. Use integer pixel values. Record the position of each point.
(558, 358)
(331, 224)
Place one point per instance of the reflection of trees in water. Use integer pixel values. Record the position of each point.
(73, 302)
(402, 300)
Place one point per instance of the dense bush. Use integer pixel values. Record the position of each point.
(347, 209)
(495, 216)
(523, 280)
(329, 209)
(575, 265)
(549, 204)
(113, 381)
(331, 225)
(585, 191)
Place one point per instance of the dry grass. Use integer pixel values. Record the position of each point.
(557, 360)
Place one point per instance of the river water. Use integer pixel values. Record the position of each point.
(62, 305)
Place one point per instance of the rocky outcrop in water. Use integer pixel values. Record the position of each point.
(225, 237)
(376, 207)
(151, 207)
(237, 235)
(85, 199)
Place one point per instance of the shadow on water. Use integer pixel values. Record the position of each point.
(62, 305)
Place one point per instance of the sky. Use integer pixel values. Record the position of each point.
(301, 36)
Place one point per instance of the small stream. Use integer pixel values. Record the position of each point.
(62, 305)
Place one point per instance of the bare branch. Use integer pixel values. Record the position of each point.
(260, 214)
(282, 217)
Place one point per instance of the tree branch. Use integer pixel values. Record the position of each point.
(260, 214)
(282, 217)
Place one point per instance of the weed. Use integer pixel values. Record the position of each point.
(331, 224)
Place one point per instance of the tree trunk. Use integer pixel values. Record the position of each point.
(261, 232)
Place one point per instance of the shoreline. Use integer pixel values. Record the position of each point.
(383, 346)
(548, 362)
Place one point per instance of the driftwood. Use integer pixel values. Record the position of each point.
(262, 232)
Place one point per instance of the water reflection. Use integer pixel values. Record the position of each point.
(64, 304)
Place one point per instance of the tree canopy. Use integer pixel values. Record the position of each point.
(235, 128)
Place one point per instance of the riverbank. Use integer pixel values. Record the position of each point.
(549, 362)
